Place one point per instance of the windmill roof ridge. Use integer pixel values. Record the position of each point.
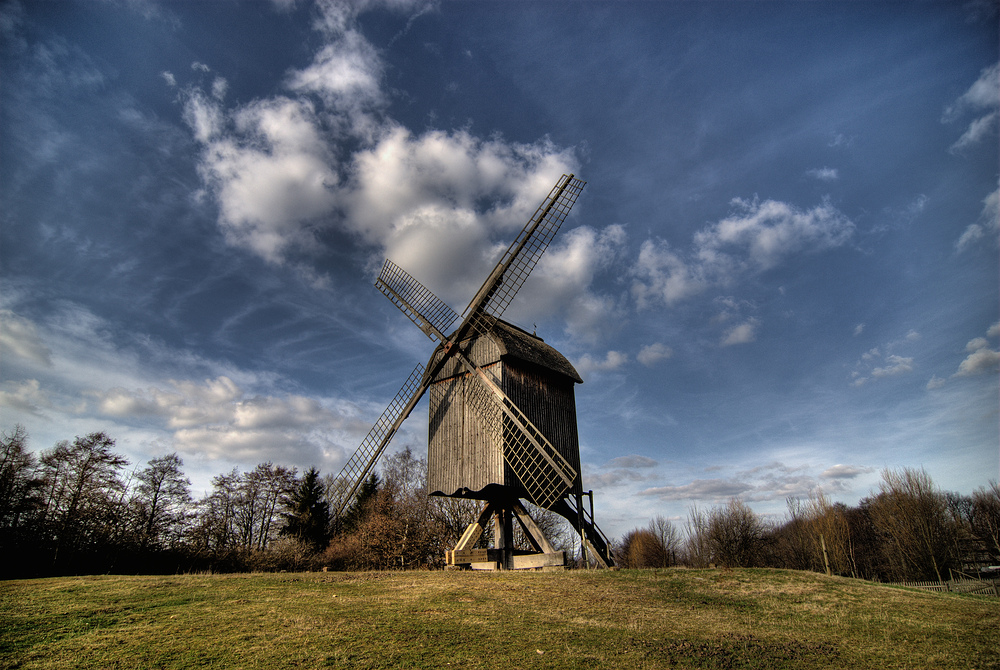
(529, 347)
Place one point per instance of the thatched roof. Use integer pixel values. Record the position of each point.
(524, 346)
(513, 342)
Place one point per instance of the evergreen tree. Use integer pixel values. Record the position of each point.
(308, 518)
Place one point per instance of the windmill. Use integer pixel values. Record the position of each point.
(502, 412)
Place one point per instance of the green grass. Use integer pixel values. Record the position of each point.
(577, 619)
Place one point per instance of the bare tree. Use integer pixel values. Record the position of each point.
(83, 493)
(985, 517)
(19, 483)
(698, 546)
(736, 535)
(161, 502)
(913, 521)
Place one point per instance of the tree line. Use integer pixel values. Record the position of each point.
(81, 508)
(908, 530)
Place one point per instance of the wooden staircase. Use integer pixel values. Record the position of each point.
(598, 544)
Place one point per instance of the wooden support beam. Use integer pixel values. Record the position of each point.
(466, 556)
(531, 529)
(490, 565)
(475, 529)
(527, 561)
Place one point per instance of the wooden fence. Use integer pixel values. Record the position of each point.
(988, 587)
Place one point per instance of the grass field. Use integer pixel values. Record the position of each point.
(576, 619)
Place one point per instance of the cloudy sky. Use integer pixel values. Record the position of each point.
(781, 277)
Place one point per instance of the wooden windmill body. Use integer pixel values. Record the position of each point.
(466, 460)
(502, 423)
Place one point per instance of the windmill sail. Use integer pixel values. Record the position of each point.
(522, 255)
(417, 302)
(361, 463)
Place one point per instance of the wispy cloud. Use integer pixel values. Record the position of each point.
(757, 236)
(982, 99)
(879, 362)
(19, 337)
(774, 481)
(988, 224)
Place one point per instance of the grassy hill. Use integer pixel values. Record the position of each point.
(577, 619)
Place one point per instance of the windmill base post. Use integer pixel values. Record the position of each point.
(504, 556)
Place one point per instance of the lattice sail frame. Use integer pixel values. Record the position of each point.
(499, 289)
(544, 473)
(423, 308)
(366, 455)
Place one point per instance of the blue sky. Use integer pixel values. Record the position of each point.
(782, 276)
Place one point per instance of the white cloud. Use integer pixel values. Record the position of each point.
(980, 361)
(631, 461)
(976, 132)
(611, 478)
(709, 490)
(756, 237)
(612, 361)
(440, 204)
(96, 378)
(272, 176)
(840, 471)
(651, 354)
(663, 276)
(421, 199)
(26, 396)
(896, 365)
(19, 337)
(770, 482)
(219, 88)
(563, 279)
(989, 223)
(984, 94)
(981, 358)
(977, 344)
(761, 234)
(203, 116)
(874, 365)
(346, 72)
(935, 382)
(858, 329)
(823, 174)
(169, 78)
(742, 334)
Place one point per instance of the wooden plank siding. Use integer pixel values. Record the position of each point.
(462, 459)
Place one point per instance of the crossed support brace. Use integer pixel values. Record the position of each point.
(503, 556)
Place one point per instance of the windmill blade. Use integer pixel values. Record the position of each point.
(545, 473)
(416, 301)
(520, 259)
(365, 457)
